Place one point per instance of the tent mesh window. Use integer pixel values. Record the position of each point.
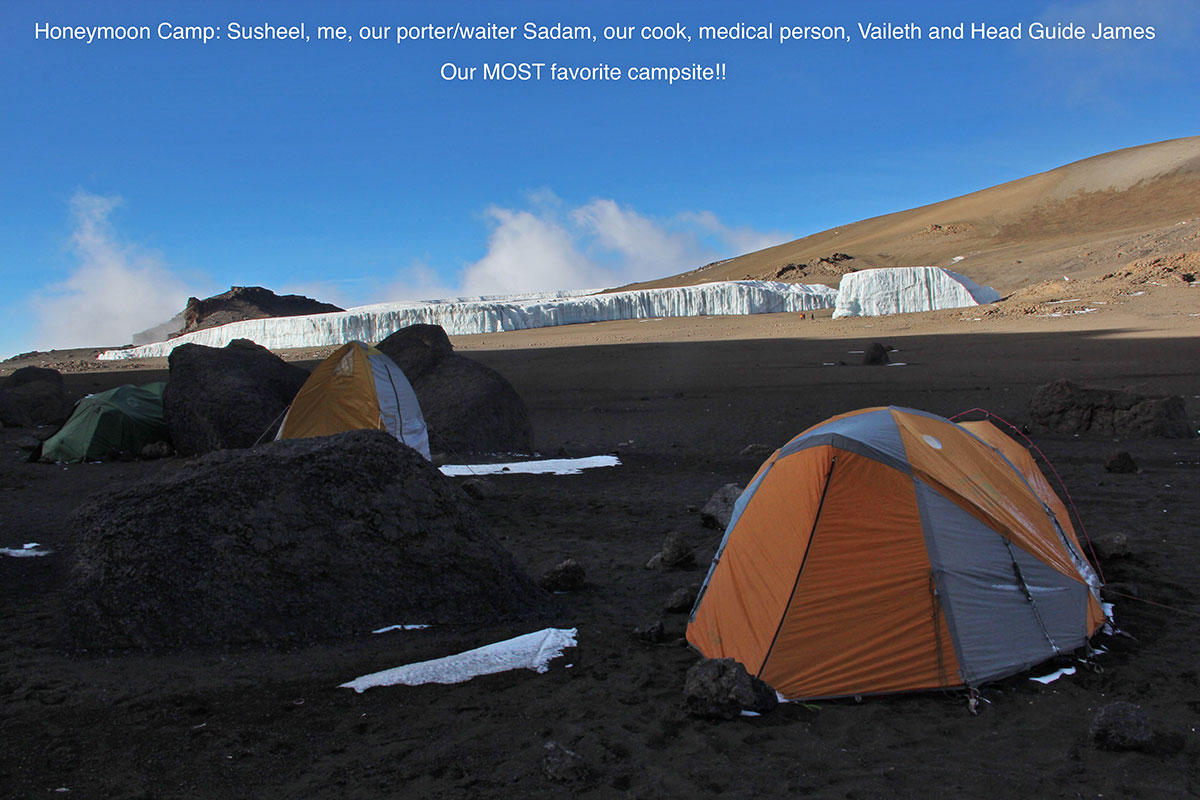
(345, 366)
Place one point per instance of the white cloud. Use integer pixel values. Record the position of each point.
(418, 281)
(116, 290)
(527, 252)
(741, 240)
(645, 248)
(601, 243)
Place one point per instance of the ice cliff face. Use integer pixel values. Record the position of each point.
(902, 290)
(459, 317)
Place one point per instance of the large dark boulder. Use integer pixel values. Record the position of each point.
(33, 396)
(232, 396)
(417, 349)
(13, 413)
(468, 407)
(1066, 407)
(27, 375)
(297, 540)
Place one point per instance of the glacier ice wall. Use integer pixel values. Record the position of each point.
(460, 317)
(903, 290)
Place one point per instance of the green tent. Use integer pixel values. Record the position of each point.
(126, 418)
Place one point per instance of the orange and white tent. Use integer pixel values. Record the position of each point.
(357, 387)
(890, 550)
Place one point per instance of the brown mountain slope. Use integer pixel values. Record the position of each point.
(1082, 220)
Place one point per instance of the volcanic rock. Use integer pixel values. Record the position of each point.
(563, 765)
(480, 488)
(675, 551)
(232, 396)
(1066, 407)
(875, 353)
(1122, 726)
(717, 512)
(1111, 545)
(682, 599)
(13, 413)
(417, 349)
(294, 541)
(468, 407)
(27, 375)
(157, 450)
(566, 576)
(247, 302)
(720, 688)
(1121, 462)
(33, 396)
(654, 633)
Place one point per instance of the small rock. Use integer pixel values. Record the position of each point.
(28, 442)
(1122, 726)
(719, 509)
(675, 551)
(562, 764)
(682, 599)
(479, 488)
(1111, 545)
(157, 450)
(876, 354)
(654, 633)
(566, 576)
(656, 562)
(720, 688)
(1121, 462)
(757, 450)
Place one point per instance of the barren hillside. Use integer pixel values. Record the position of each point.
(1082, 220)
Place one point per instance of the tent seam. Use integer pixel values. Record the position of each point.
(800, 572)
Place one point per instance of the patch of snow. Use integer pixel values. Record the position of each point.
(531, 651)
(417, 627)
(1053, 676)
(482, 315)
(549, 466)
(28, 551)
(905, 290)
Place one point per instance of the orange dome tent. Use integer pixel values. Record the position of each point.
(890, 550)
(357, 387)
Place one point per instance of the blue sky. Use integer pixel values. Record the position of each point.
(135, 173)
